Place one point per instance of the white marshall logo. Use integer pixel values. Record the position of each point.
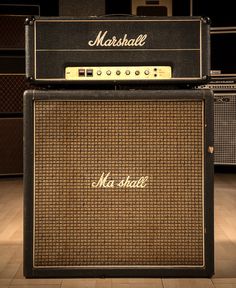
(101, 40)
(105, 182)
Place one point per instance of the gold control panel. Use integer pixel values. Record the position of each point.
(106, 73)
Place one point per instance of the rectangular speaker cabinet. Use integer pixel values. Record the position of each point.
(123, 50)
(11, 92)
(12, 18)
(225, 127)
(11, 146)
(12, 82)
(118, 183)
(12, 31)
(12, 86)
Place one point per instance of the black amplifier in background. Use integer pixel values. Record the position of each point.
(224, 120)
(223, 62)
(225, 127)
(118, 50)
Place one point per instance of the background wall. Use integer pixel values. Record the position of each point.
(81, 7)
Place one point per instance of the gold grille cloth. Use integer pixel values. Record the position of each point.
(78, 225)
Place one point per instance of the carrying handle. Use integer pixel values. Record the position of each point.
(118, 15)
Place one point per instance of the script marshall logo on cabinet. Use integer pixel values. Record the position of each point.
(105, 182)
(101, 40)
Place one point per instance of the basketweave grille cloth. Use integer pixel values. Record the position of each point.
(160, 224)
(12, 88)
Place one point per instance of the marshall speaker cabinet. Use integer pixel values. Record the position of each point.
(118, 50)
(118, 183)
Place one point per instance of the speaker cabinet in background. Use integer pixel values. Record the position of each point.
(29, 7)
(118, 183)
(12, 31)
(12, 28)
(12, 19)
(225, 128)
(12, 77)
(12, 82)
(12, 86)
(11, 146)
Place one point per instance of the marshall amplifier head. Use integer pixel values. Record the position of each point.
(118, 183)
(118, 50)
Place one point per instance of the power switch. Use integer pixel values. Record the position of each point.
(81, 72)
(89, 72)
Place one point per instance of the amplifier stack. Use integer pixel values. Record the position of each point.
(118, 181)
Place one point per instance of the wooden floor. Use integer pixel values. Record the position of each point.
(11, 222)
